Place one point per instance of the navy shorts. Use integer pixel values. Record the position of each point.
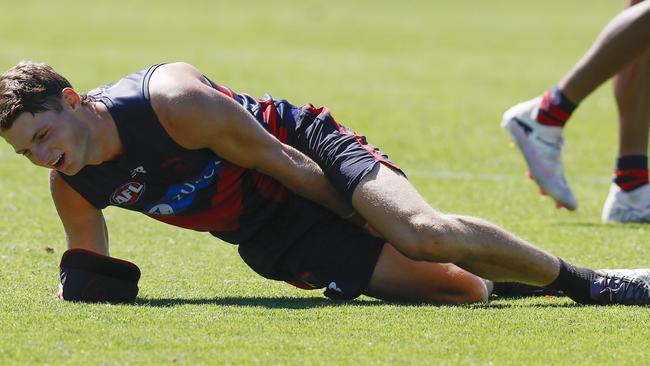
(335, 255)
(344, 156)
(305, 244)
(310, 247)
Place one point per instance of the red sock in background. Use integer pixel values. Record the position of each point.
(631, 172)
(555, 108)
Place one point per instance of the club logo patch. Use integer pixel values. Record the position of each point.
(127, 194)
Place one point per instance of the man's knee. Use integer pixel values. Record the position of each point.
(464, 289)
(432, 237)
(472, 291)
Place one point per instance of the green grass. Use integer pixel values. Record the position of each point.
(425, 80)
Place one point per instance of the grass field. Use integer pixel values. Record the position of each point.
(425, 80)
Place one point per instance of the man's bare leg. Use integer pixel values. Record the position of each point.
(632, 91)
(623, 39)
(398, 278)
(397, 211)
(629, 195)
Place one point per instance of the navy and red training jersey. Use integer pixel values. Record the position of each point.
(194, 189)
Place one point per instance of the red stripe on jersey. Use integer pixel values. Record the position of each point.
(230, 196)
(268, 187)
(283, 135)
(315, 110)
(270, 116)
(225, 90)
(211, 220)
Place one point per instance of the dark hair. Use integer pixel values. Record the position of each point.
(30, 87)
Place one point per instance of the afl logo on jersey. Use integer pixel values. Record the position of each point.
(127, 194)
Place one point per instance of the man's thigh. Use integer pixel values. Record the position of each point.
(378, 189)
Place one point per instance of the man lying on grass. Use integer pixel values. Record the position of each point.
(307, 200)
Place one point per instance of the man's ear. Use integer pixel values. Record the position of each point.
(70, 97)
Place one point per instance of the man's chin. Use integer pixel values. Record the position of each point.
(69, 170)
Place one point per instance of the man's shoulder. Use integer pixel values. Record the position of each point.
(171, 86)
(168, 78)
(129, 84)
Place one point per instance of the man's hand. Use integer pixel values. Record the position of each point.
(91, 277)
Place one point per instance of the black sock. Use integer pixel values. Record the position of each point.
(631, 172)
(574, 282)
(516, 290)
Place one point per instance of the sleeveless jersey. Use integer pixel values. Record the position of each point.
(194, 189)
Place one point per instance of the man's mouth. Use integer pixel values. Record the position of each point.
(58, 163)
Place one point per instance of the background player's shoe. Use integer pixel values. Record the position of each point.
(622, 206)
(542, 148)
(621, 286)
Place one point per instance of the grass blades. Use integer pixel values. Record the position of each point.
(427, 81)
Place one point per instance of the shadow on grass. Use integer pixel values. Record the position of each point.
(265, 302)
(308, 303)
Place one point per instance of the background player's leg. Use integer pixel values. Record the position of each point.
(629, 195)
(623, 39)
(632, 91)
(397, 211)
(399, 278)
(536, 125)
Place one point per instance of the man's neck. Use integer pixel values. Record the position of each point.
(104, 133)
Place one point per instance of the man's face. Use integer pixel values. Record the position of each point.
(51, 139)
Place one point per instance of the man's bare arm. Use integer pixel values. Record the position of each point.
(84, 224)
(197, 116)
